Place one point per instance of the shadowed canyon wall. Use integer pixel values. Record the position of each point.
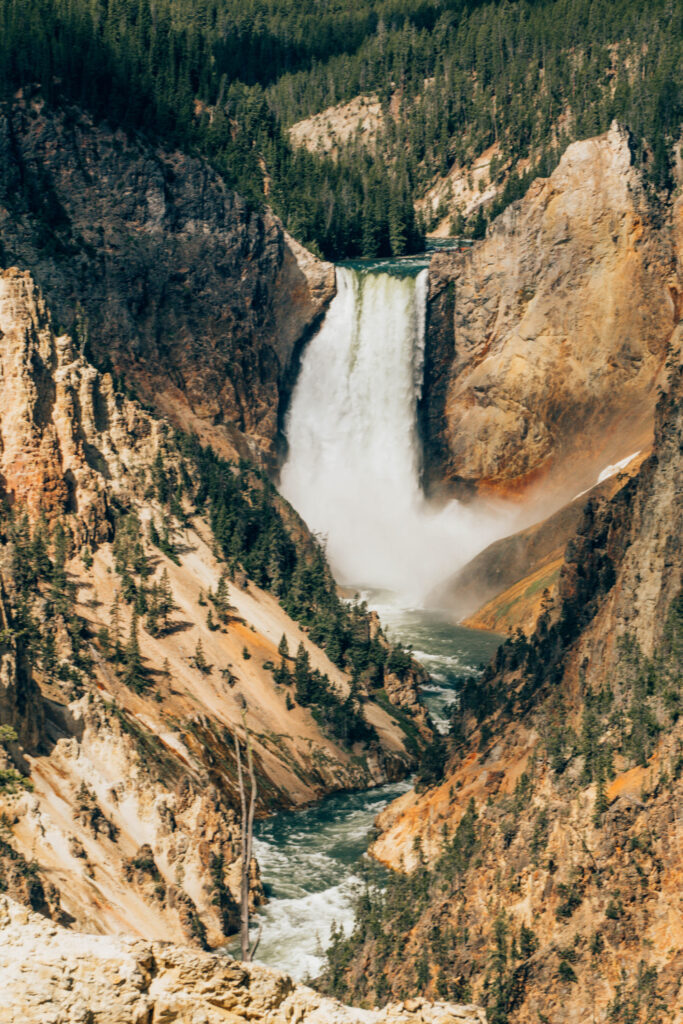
(162, 274)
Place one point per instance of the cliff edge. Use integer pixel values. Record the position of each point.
(164, 276)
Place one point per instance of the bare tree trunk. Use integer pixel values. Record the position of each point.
(247, 840)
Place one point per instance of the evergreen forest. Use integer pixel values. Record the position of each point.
(228, 78)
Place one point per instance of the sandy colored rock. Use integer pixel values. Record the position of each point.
(130, 825)
(547, 340)
(359, 120)
(49, 975)
(66, 437)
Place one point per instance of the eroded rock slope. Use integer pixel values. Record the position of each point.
(544, 871)
(154, 603)
(162, 274)
(546, 341)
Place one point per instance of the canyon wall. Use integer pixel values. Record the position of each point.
(546, 341)
(546, 866)
(162, 274)
(125, 679)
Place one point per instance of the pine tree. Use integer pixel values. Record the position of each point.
(222, 597)
(39, 554)
(60, 593)
(60, 550)
(601, 802)
(133, 674)
(199, 658)
(281, 675)
(166, 603)
(115, 628)
(302, 675)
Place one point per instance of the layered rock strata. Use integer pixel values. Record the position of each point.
(164, 275)
(547, 340)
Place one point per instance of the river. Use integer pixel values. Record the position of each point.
(353, 472)
(311, 860)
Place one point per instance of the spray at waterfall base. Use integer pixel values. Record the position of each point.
(353, 468)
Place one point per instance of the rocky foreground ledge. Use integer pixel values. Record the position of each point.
(49, 975)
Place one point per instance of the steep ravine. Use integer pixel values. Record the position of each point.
(125, 718)
(545, 869)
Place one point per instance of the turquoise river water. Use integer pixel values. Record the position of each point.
(311, 859)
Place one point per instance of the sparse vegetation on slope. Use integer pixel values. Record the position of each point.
(544, 875)
(145, 586)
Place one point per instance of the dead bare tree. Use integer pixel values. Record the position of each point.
(247, 838)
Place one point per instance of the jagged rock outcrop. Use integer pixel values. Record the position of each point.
(67, 439)
(48, 974)
(546, 341)
(165, 276)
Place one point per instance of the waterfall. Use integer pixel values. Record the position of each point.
(353, 467)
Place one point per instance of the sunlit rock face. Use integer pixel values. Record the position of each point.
(48, 973)
(130, 822)
(546, 341)
(64, 431)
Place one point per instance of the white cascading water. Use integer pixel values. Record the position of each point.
(353, 468)
(353, 473)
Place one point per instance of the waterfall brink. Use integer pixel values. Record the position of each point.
(353, 469)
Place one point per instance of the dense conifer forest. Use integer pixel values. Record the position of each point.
(227, 78)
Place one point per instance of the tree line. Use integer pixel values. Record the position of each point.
(227, 78)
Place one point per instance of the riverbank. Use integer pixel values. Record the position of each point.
(313, 861)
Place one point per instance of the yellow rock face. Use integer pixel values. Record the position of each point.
(546, 341)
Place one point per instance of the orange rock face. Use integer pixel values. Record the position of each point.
(546, 340)
(63, 429)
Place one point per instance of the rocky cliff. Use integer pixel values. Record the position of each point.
(544, 872)
(135, 647)
(162, 275)
(49, 974)
(546, 341)
(505, 587)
